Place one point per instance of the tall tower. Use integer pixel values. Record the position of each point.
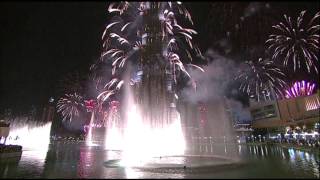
(148, 35)
(155, 92)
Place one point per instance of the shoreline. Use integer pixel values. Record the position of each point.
(287, 146)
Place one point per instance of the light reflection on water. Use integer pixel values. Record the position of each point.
(295, 160)
(76, 160)
(34, 141)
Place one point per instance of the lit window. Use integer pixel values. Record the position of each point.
(312, 103)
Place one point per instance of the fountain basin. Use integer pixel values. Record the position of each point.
(10, 152)
(181, 164)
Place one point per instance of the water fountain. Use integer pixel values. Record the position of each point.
(34, 138)
(151, 136)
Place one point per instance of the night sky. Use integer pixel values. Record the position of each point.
(41, 42)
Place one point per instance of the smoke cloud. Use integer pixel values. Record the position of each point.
(254, 8)
(217, 84)
(240, 113)
(214, 82)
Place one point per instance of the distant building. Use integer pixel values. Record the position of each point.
(240, 118)
(48, 113)
(4, 131)
(278, 114)
(206, 119)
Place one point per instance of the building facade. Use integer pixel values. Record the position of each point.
(207, 119)
(299, 111)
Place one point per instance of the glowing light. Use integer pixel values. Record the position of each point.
(30, 137)
(70, 106)
(145, 134)
(90, 104)
(312, 103)
(89, 140)
(132, 173)
(114, 139)
(260, 76)
(140, 142)
(120, 44)
(143, 143)
(113, 136)
(34, 140)
(296, 41)
(300, 88)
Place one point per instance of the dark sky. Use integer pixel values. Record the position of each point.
(40, 42)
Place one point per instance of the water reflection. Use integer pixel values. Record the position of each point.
(85, 163)
(133, 173)
(293, 159)
(61, 161)
(34, 140)
(76, 160)
(216, 146)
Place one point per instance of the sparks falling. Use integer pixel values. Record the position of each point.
(70, 106)
(124, 39)
(300, 88)
(148, 52)
(260, 76)
(296, 42)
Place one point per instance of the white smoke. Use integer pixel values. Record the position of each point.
(239, 111)
(254, 8)
(213, 83)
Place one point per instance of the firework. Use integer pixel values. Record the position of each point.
(127, 39)
(296, 42)
(90, 105)
(300, 88)
(70, 106)
(259, 76)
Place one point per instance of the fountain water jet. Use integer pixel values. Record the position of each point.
(113, 135)
(89, 138)
(143, 142)
(33, 138)
(29, 136)
(152, 132)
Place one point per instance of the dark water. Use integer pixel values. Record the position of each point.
(75, 160)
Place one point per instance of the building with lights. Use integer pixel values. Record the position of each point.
(207, 119)
(295, 112)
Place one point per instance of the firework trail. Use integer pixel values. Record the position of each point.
(138, 26)
(296, 42)
(259, 76)
(70, 106)
(300, 88)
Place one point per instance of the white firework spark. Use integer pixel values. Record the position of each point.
(296, 42)
(260, 76)
(70, 106)
(129, 35)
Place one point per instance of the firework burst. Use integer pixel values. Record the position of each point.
(300, 88)
(296, 42)
(259, 76)
(70, 106)
(127, 38)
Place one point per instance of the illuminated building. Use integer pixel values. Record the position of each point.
(278, 114)
(207, 119)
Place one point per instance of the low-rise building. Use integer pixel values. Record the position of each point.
(278, 114)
